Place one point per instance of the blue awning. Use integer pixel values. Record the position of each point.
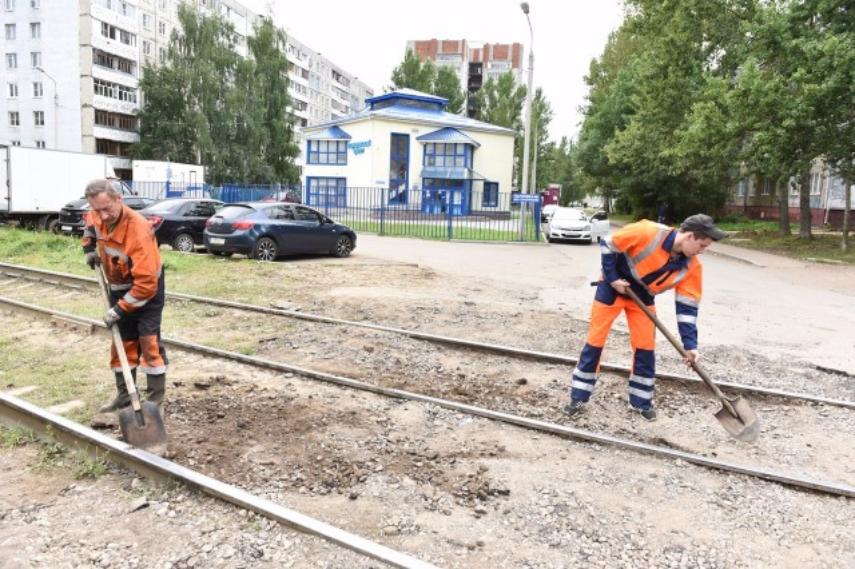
(443, 173)
(447, 134)
(329, 133)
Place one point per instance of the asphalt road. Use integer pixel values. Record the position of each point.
(788, 309)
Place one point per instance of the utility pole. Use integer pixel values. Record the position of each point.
(524, 185)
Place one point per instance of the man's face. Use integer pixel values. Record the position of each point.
(695, 246)
(107, 207)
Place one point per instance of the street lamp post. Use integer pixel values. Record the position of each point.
(55, 107)
(528, 97)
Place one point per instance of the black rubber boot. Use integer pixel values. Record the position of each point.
(156, 388)
(123, 398)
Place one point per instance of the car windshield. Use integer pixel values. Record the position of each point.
(165, 206)
(569, 215)
(235, 211)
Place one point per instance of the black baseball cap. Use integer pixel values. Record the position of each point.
(703, 224)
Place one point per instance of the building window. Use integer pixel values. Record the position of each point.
(327, 152)
(491, 194)
(11, 60)
(146, 47)
(146, 21)
(767, 187)
(9, 5)
(742, 188)
(16, 143)
(816, 185)
(39, 118)
(35, 59)
(35, 4)
(114, 62)
(161, 54)
(35, 30)
(10, 31)
(14, 118)
(38, 90)
(115, 91)
(115, 120)
(112, 32)
(446, 155)
(40, 144)
(13, 90)
(323, 192)
(161, 28)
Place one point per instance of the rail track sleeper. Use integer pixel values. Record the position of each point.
(458, 342)
(14, 411)
(804, 482)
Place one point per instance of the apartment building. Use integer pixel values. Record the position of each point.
(474, 65)
(89, 103)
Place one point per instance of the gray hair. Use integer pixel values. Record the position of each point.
(101, 186)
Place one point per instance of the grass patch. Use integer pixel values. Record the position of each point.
(16, 436)
(53, 455)
(822, 246)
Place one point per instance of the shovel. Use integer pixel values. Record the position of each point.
(735, 415)
(141, 423)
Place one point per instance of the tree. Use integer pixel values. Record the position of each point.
(413, 73)
(447, 85)
(500, 103)
(207, 104)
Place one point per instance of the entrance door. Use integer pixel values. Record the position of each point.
(399, 168)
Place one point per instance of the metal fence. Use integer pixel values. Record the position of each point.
(443, 214)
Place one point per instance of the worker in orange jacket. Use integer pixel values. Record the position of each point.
(649, 258)
(123, 242)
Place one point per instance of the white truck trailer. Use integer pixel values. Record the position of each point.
(40, 182)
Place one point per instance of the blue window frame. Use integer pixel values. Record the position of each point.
(326, 192)
(491, 194)
(447, 155)
(327, 152)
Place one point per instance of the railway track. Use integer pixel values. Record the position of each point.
(760, 472)
(75, 282)
(17, 412)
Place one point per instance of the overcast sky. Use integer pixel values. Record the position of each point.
(368, 38)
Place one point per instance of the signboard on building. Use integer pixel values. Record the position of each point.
(518, 198)
(359, 147)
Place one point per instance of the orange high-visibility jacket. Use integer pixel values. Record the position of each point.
(130, 256)
(641, 252)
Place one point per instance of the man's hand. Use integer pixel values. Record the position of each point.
(692, 356)
(620, 285)
(112, 316)
(92, 259)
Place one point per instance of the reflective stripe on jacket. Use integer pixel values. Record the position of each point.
(641, 253)
(130, 256)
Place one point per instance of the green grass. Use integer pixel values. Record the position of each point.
(822, 246)
(16, 436)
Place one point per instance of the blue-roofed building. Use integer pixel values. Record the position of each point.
(423, 156)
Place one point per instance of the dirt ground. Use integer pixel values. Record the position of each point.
(444, 487)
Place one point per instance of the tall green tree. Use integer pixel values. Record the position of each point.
(413, 73)
(207, 104)
(501, 103)
(447, 84)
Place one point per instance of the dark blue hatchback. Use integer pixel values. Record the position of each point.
(264, 231)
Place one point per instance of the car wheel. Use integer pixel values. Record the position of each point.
(343, 246)
(265, 249)
(550, 240)
(183, 242)
(222, 253)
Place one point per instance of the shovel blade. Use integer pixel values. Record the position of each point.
(143, 428)
(744, 426)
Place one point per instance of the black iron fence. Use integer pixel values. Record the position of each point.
(434, 213)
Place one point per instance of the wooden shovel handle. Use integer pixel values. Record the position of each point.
(676, 343)
(120, 347)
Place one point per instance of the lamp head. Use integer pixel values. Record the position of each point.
(524, 6)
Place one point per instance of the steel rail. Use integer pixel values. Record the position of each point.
(823, 486)
(15, 411)
(8, 269)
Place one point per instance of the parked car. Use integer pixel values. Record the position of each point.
(71, 216)
(573, 225)
(547, 211)
(289, 196)
(267, 230)
(180, 222)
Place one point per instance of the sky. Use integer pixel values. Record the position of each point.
(368, 39)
